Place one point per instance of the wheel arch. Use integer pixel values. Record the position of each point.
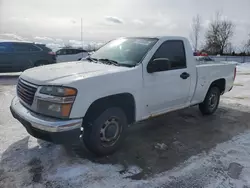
(220, 83)
(125, 101)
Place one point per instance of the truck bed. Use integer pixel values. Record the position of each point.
(209, 71)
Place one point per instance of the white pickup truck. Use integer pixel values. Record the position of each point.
(126, 81)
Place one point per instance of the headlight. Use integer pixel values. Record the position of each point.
(54, 109)
(58, 91)
(55, 101)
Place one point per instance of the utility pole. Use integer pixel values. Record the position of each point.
(81, 34)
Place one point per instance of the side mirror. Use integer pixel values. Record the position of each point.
(158, 65)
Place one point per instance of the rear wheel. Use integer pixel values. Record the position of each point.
(105, 133)
(211, 102)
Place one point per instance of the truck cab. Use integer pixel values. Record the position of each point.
(129, 79)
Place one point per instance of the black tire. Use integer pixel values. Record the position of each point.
(94, 138)
(211, 102)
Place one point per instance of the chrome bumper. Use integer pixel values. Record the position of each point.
(41, 122)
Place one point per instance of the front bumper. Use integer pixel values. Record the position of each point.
(50, 129)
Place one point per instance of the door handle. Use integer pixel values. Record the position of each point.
(184, 75)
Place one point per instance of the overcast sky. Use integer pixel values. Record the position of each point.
(107, 19)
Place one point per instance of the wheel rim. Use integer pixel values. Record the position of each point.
(212, 100)
(110, 132)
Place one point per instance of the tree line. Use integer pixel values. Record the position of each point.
(217, 37)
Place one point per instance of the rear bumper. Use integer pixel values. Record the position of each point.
(49, 129)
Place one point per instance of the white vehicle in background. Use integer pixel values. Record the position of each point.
(125, 81)
(204, 59)
(70, 54)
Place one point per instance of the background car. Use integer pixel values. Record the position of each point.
(19, 56)
(70, 54)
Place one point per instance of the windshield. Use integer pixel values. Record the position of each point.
(125, 51)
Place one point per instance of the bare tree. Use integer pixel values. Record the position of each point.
(218, 35)
(242, 47)
(247, 46)
(229, 48)
(196, 30)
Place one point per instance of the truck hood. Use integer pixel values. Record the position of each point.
(70, 70)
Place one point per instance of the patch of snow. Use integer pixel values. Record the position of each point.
(90, 174)
(240, 92)
(161, 146)
(73, 171)
(210, 170)
(132, 170)
(243, 67)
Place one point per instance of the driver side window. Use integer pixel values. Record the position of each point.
(174, 52)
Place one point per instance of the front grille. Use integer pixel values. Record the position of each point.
(26, 92)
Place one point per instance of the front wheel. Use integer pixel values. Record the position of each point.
(104, 135)
(211, 102)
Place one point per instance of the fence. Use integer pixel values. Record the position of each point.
(239, 59)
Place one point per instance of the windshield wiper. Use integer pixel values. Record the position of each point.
(109, 61)
(92, 59)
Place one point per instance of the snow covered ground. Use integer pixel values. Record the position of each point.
(28, 162)
(241, 92)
